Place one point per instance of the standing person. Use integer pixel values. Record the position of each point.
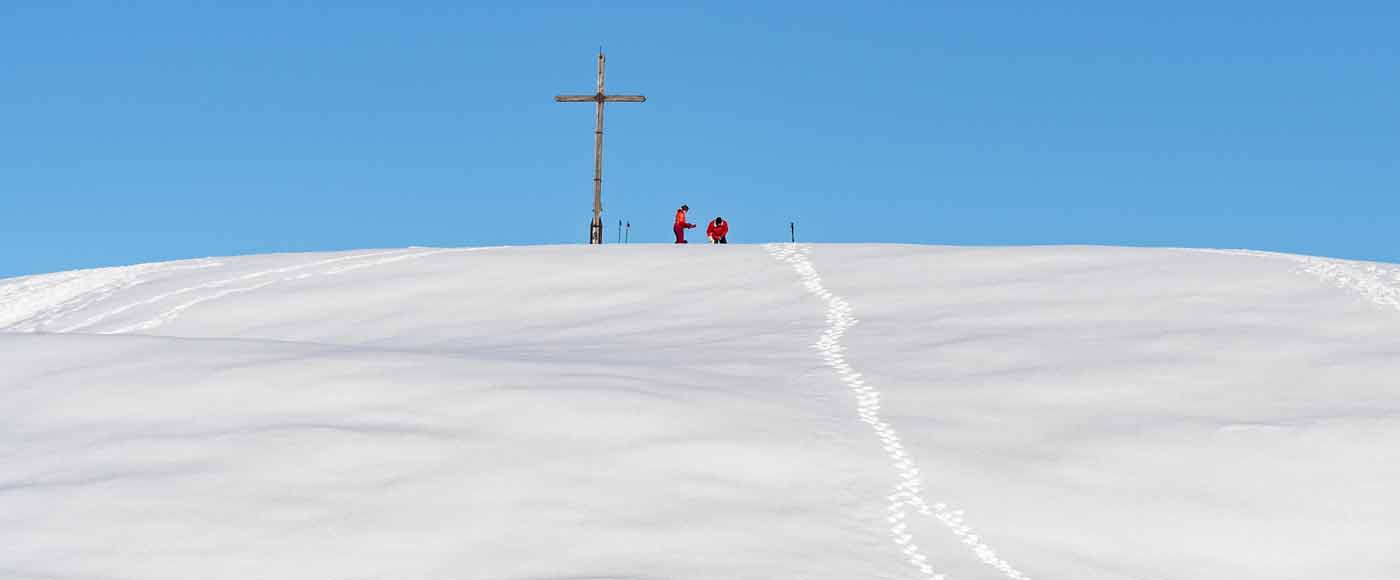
(681, 224)
(717, 230)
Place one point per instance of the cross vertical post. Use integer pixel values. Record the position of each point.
(595, 229)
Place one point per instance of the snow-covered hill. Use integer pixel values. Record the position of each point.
(708, 412)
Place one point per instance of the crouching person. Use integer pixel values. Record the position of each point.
(718, 230)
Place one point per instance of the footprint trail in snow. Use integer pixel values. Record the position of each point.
(908, 492)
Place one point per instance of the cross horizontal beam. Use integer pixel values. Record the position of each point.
(600, 97)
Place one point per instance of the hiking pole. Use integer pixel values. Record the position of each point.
(628, 237)
(619, 231)
(792, 232)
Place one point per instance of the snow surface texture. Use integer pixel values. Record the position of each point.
(647, 412)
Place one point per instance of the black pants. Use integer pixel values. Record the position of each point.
(721, 240)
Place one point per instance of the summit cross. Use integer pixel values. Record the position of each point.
(595, 229)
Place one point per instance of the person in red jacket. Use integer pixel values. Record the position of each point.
(717, 230)
(681, 224)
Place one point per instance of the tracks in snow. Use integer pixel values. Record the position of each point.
(1378, 283)
(32, 304)
(908, 492)
(1381, 285)
(277, 275)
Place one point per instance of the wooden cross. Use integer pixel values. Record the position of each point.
(595, 230)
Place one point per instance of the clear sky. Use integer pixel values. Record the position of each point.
(142, 131)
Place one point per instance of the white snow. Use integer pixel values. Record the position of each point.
(652, 412)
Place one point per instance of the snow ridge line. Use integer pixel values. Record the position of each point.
(908, 492)
(175, 311)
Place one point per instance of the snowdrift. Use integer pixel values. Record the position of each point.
(665, 412)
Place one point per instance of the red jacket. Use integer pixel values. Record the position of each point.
(680, 220)
(719, 231)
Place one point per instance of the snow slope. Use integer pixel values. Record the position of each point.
(655, 412)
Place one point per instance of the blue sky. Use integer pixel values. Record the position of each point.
(142, 131)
